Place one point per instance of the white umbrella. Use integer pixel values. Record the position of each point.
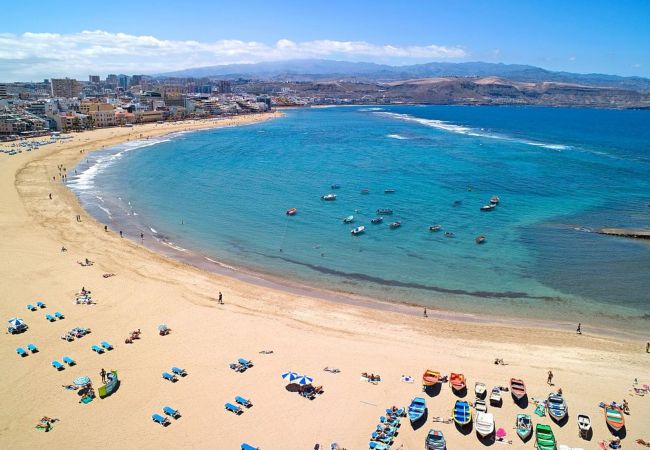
(81, 381)
(290, 376)
(304, 380)
(16, 322)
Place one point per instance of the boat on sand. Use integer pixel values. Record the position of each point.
(457, 381)
(495, 396)
(524, 426)
(462, 412)
(430, 377)
(614, 417)
(479, 389)
(417, 408)
(435, 441)
(557, 407)
(584, 425)
(484, 423)
(544, 437)
(517, 388)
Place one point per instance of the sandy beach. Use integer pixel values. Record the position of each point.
(304, 333)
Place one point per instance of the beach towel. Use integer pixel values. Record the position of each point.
(85, 400)
(407, 379)
(540, 409)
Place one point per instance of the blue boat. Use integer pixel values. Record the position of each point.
(384, 211)
(417, 408)
(462, 412)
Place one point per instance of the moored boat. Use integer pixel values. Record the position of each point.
(449, 234)
(495, 200)
(462, 412)
(358, 230)
(480, 239)
(417, 409)
(389, 191)
(557, 407)
(544, 437)
(435, 228)
(517, 388)
(336, 186)
(614, 416)
(328, 197)
(348, 219)
(377, 220)
(394, 225)
(365, 191)
(457, 381)
(291, 211)
(385, 211)
(484, 423)
(430, 377)
(524, 426)
(489, 207)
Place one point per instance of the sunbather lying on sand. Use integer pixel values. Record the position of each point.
(331, 370)
(108, 275)
(642, 442)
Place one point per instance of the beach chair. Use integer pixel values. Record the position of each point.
(244, 402)
(32, 348)
(171, 412)
(178, 371)
(57, 365)
(378, 446)
(232, 408)
(390, 422)
(237, 367)
(69, 361)
(97, 349)
(246, 446)
(245, 363)
(106, 345)
(21, 351)
(168, 376)
(31, 307)
(385, 439)
(391, 431)
(164, 421)
(50, 317)
(41, 305)
(59, 315)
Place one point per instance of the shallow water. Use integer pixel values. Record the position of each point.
(559, 173)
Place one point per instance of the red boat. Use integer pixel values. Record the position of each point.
(457, 381)
(291, 212)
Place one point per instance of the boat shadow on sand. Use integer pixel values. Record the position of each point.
(487, 441)
(622, 433)
(563, 421)
(464, 429)
(460, 393)
(421, 421)
(521, 402)
(432, 391)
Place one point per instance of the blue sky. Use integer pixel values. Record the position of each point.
(42, 39)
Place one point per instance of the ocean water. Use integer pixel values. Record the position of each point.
(560, 175)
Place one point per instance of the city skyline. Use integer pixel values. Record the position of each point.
(582, 37)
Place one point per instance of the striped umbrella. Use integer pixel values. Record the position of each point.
(304, 380)
(290, 376)
(15, 322)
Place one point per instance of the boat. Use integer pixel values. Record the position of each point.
(557, 407)
(435, 441)
(336, 186)
(479, 389)
(584, 425)
(394, 225)
(462, 412)
(449, 234)
(517, 388)
(348, 219)
(458, 202)
(385, 211)
(291, 212)
(377, 220)
(489, 207)
(524, 426)
(389, 191)
(484, 423)
(480, 239)
(416, 409)
(495, 200)
(365, 191)
(329, 197)
(358, 230)
(495, 396)
(430, 377)
(435, 228)
(457, 381)
(480, 405)
(614, 416)
(544, 437)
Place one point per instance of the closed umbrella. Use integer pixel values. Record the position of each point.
(81, 381)
(290, 376)
(304, 380)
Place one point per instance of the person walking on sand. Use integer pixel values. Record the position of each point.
(647, 347)
(549, 380)
(220, 298)
(425, 312)
(120, 233)
(50, 196)
(103, 375)
(579, 329)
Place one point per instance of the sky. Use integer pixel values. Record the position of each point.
(41, 39)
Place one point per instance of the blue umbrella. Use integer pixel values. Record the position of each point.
(16, 322)
(162, 327)
(81, 381)
(304, 380)
(290, 376)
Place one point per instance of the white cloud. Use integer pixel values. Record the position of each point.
(32, 56)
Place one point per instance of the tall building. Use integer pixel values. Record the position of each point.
(3, 91)
(123, 81)
(224, 87)
(94, 78)
(65, 87)
(111, 79)
(136, 80)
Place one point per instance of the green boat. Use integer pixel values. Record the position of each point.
(544, 437)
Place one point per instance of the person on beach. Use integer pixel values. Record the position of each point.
(50, 196)
(579, 329)
(425, 312)
(142, 236)
(647, 347)
(103, 375)
(549, 380)
(220, 298)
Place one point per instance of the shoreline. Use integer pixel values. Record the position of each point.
(304, 333)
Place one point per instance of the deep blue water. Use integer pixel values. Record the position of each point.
(558, 173)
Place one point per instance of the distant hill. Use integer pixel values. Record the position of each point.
(322, 69)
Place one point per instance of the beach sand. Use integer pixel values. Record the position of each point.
(305, 334)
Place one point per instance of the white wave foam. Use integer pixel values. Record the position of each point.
(219, 263)
(106, 210)
(371, 109)
(153, 231)
(396, 136)
(174, 246)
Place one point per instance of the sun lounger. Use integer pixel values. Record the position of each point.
(398, 412)
(245, 363)
(59, 315)
(237, 367)
(106, 345)
(69, 361)
(50, 317)
(32, 348)
(246, 446)
(236, 409)
(385, 439)
(57, 365)
(390, 422)
(40, 304)
(97, 349)
(178, 371)
(244, 402)
(21, 351)
(31, 307)
(171, 412)
(160, 419)
(168, 376)
(378, 446)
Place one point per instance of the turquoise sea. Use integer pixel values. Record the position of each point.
(560, 174)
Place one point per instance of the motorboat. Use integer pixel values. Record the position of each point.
(584, 425)
(394, 225)
(449, 234)
(385, 211)
(495, 396)
(480, 239)
(377, 220)
(479, 389)
(484, 423)
(489, 207)
(336, 186)
(389, 191)
(348, 219)
(358, 230)
(329, 197)
(435, 228)
(292, 212)
(365, 191)
(495, 200)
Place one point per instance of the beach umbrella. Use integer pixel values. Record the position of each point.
(290, 376)
(16, 322)
(162, 327)
(304, 380)
(81, 381)
(501, 433)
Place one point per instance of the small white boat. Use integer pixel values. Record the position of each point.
(358, 230)
(489, 207)
(480, 405)
(348, 219)
(479, 389)
(435, 228)
(495, 396)
(584, 425)
(484, 423)
(495, 200)
(329, 197)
